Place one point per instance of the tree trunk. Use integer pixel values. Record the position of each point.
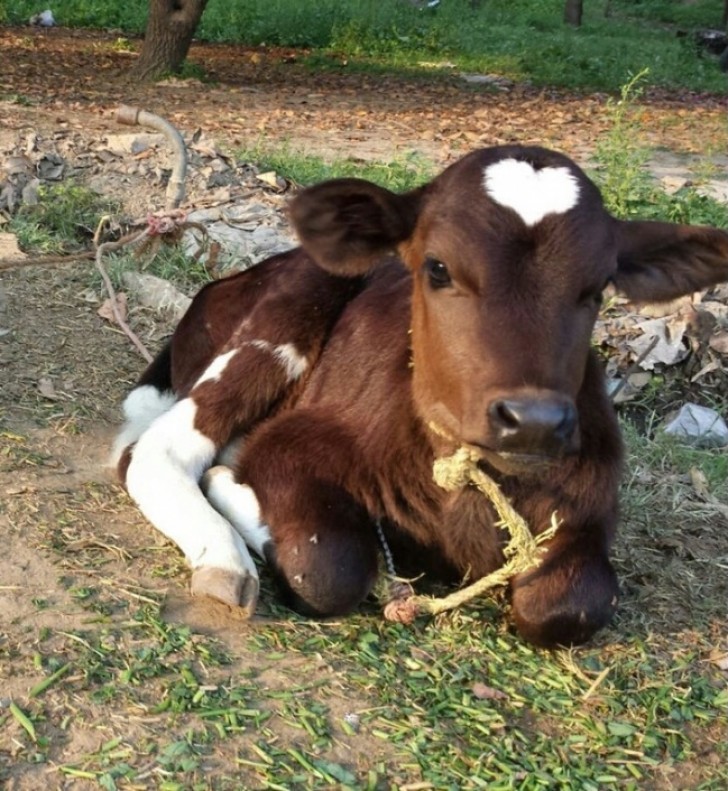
(170, 28)
(724, 18)
(573, 10)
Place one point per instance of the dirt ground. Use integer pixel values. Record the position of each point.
(65, 526)
(75, 79)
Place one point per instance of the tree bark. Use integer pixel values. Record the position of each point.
(170, 28)
(573, 10)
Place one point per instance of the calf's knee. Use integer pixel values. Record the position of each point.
(323, 576)
(326, 561)
(566, 600)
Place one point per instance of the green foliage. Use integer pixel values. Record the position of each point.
(166, 262)
(629, 191)
(621, 176)
(518, 38)
(692, 13)
(63, 220)
(304, 169)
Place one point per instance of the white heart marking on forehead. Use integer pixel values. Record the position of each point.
(531, 193)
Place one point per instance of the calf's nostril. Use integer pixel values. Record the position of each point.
(505, 415)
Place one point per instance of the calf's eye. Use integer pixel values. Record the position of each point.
(437, 273)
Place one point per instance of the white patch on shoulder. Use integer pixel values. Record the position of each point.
(215, 369)
(532, 194)
(141, 408)
(166, 465)
(287, 355)
(239, 505)
(294, 363)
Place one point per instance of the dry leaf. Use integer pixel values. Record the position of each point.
(658, 310)
(46, 389)
(9, 247)
(106, 310)
(719, 658)
(714, 365)
(719, 342)
(699, 482)
(269, 177)
(669, 348)
(484, 692)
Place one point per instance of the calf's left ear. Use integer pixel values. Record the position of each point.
(346, 225)
(658, 262)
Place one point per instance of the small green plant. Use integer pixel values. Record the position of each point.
(63, 220)
(122, 44)
(188, 71)
(622, 177)
(16, 98)
(628, 189)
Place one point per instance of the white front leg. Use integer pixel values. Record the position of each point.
(239, 505)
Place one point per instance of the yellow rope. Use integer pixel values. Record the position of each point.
(522, 552)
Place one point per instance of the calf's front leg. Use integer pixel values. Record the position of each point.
(571, 595)
(323, 546)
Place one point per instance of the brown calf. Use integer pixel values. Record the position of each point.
(309, 396)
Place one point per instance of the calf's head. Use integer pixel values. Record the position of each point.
(510, 250)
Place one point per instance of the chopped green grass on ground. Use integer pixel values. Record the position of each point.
(455, 702)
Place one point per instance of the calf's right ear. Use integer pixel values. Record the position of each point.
(347, 225)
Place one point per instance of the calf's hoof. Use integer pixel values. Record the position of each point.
(229, 587)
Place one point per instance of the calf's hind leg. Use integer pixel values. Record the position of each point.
(320, 542)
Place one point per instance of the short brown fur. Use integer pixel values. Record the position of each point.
(428, 320)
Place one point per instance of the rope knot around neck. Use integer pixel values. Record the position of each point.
(523, 552)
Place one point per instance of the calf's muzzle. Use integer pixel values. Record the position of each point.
(543, 425)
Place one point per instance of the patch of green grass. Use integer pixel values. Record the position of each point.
(695, 13)
(63, 221)
(122, 44)
(167, 262)
(16, 98)
(304, 169)
(672, 456)
(518, 38)
(189, 71)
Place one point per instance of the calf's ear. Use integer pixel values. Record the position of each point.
(658, 262)
(346, 225)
